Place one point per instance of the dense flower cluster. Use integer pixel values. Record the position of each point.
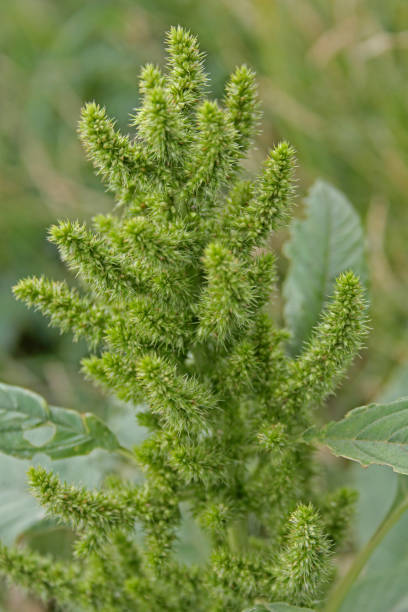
(174, 287)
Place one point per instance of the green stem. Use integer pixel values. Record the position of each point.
(126, 453)
(399, 506)
(238, 536)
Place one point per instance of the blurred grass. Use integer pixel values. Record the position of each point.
(334, 81)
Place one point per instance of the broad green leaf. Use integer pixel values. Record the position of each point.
(376, 488)
(373, 434)
(18, 509)
(381, 591)
(28, 425)
(383, 586)
(327, 242)
(278, 607)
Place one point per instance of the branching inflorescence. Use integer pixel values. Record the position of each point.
(175, 283)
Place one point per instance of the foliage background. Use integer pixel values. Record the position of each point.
(333, 81)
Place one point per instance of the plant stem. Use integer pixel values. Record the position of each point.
(126, 453)
(399, 506)
(238, 536)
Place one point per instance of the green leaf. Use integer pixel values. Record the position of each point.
(28, 425)
(383, 586)
(327, 242)
(376, 488)
(278, 607)
(18, 508)
(379, 591)
(373, 434)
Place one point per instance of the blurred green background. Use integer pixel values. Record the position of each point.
(333, 80)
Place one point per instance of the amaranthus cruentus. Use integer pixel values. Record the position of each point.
(174, 285)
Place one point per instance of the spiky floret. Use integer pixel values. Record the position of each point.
(112, 154)
(214, 152)
(228, 298)
(302, 568)
(150, 77)
(182, 402)
(241, 101)
(172, 289)
(114, 372)
(96, 511)
(255, 209)
(186, 77)
(160, 125)
(335, 341)
(88, 254)
(65, 307)
(43, 576)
